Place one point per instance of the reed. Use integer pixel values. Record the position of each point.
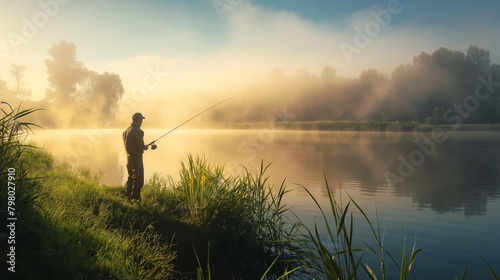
(244, 213)
(334, 256)
(15, 154)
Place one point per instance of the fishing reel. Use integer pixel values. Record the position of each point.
(153, 146)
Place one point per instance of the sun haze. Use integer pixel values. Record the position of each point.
(173, 58)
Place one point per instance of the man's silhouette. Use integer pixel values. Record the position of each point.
(133, 139)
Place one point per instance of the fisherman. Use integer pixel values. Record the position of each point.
(133, 139)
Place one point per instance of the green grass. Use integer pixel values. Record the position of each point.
(243, 214)
(80, 229)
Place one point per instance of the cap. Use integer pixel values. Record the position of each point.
(138, 116)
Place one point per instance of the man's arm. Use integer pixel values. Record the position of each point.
(140, 141)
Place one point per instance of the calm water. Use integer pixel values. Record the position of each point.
(447, 196)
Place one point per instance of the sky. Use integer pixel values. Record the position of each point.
(183, 47)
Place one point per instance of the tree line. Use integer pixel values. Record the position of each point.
(422, 91)
(432, 89)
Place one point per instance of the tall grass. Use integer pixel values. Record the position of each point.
(244, 212)
(13, 130)
(15, 154)
(334, 255)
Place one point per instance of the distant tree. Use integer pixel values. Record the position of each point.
(495, 72)
(108, 89)
(422, 58)
(479, 58)
(447, 59)
(437, 116)
(371, 76)
(78, 90)
(64, 72)
(435, 80)
(304, 75)
(495, 77)
(16, 73)
(328, 74)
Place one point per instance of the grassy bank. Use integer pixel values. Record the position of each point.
(205, 224)
(358, 126)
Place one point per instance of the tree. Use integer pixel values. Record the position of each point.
(495, 72)
(447, 59)
(64, 72)
(437, 116)
(328, 74)
(479, 58)
(76, 91)
(16, 73)
(108, 89)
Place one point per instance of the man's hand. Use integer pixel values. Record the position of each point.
(146, 147)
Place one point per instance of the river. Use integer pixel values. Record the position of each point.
(440, 190)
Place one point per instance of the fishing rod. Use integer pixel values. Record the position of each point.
(153, 145)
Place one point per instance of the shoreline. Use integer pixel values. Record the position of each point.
(360, 126)
(357, 126)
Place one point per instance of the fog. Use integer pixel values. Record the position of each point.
(419, 91)
(276, 64)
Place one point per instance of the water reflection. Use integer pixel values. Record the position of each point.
(462, 174)
(97, 151)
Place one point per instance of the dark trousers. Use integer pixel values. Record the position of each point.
(135, 180)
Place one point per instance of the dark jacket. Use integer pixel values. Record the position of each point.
(133, 139)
